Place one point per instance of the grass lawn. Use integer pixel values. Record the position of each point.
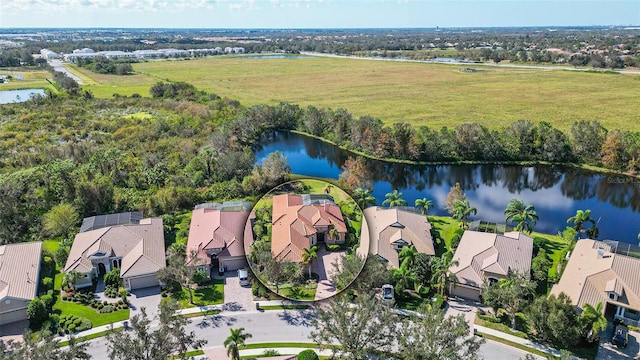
(284, 307)
(444, 227)
(500, 327)
(208, 295)
(436, 95)
(410, 303)
(97, 319)
(302, 294)
(555, 247)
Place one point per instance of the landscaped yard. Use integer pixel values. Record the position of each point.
(71, 308)
(211, 294)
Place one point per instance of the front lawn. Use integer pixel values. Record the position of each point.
(211, 294)
(70, 308)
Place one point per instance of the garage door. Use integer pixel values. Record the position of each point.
(465, 292)
(232, 264)
(143, 282)
(12, 316)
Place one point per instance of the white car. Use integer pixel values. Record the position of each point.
(243, 275)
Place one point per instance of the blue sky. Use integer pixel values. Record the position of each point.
(315, 13)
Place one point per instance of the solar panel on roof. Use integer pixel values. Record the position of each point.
(101, 221)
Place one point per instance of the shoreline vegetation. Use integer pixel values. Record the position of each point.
(597, 169)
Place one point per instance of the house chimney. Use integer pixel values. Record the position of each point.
(600, 252)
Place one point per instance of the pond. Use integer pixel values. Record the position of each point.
(11, 96)
(555, 191)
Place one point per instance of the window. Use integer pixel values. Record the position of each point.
(630, 312)
(612, 296)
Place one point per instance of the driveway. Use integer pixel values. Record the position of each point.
(457, 306)
(324, 268)
(148, 298)
(609, 351)
(236, 297)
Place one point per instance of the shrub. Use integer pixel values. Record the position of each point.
(112, 278)
(333, 247)
(307, 355)
(107, 309)
(47, 284)
(60, 331)
(489, 318)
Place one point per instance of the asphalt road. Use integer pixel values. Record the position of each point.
(279, 326)
(57, 66)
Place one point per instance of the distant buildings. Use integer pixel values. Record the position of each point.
(87, 53)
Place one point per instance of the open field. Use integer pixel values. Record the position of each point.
(422, 94)
(24, 78)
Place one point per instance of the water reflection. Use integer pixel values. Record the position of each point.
(556, 191)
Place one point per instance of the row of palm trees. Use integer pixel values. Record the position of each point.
(523, 216)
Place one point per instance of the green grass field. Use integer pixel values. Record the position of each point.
(422, 94)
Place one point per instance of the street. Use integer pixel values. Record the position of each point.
(279, 326)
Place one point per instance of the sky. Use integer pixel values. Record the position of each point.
(315, 13)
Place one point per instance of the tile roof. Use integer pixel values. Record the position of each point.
(588, 276)
(20, 270)
(388, 225)
(480, 252)
(218, 229)
(141, 247)
(293, 222)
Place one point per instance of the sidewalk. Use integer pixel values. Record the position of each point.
(517, 340)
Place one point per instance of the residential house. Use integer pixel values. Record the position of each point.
(137, 248)
(391, 229)
(484, 256)
(303, 221)
(19, 276)
(596, 274)
(217, 234)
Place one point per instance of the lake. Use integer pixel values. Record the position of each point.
(555, 191)
(11, 96)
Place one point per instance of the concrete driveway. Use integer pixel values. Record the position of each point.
(236, 297)
(148, 298)
(457, 306)
(324, 268)
(609, 351)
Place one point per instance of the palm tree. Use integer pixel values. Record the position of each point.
(441, 273)
(462, 210)
(424, 205)
(580, 218)
(394, 199)
(363, 198)
(594, 319)
(524, 216)
(408, 255)
(309, 256)
(234, 341)
(405, 275)
(72, 278)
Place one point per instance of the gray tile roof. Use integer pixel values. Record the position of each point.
(481, 253)
(141, 247)
(20, 270)
(588, 277)
(389, 225)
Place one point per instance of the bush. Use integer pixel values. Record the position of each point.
(47, 284)
(307, 355)
(72, 328)
(333, 247)
(489, 318)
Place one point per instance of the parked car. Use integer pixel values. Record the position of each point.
(620, 336)
(243, 275)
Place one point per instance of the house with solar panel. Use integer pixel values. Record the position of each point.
(126, 241)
